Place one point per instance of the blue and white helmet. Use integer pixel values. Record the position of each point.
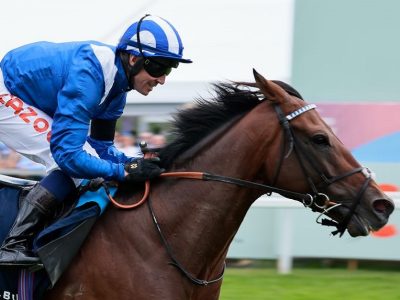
(153, 37)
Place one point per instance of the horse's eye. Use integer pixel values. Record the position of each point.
(320, 139)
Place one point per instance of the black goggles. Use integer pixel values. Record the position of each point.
(157, 67)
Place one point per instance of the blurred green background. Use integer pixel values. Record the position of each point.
(314, 280)
(306, 284)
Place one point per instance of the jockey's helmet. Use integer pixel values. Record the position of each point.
(153, 36)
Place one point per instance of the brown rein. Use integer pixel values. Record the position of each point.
(306, 199)
(190, 175)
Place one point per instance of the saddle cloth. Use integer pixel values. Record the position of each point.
(56, 245)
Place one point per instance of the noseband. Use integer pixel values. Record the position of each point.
(317, 201)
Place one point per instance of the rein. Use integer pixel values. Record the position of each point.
(320, 200)
(306, 199)
(239, 182)
(205, 177)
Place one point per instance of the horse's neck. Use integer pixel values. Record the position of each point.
(206, 215)
(200, 218)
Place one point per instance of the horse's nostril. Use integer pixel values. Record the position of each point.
(383, 206)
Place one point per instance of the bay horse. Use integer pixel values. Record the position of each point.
(253, 136)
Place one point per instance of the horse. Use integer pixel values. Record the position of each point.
(248, 140)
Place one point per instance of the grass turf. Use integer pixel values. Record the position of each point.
(310, 284)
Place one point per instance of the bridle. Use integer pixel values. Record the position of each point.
(315, 200)
(318, 200)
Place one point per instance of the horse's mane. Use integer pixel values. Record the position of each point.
(192, 124)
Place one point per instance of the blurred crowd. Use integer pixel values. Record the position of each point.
(9, 159)
(125, 141)
(128, 142)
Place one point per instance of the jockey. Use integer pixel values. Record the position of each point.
(53, 95)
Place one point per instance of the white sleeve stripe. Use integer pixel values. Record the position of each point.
(106, 57)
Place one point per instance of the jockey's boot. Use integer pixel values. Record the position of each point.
(36, 208)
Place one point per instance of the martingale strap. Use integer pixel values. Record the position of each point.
(175, 262)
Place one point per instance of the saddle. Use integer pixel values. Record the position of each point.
(58, 243)
(16, 182)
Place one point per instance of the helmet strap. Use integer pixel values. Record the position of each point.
(131, 70)
(134, 70)
(138, 34)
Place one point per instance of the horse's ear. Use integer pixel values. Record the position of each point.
(270, 90)
(259, 78)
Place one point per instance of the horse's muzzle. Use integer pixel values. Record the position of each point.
(383, 208)
(362, 223)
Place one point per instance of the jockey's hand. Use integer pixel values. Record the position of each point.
(142, 169)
